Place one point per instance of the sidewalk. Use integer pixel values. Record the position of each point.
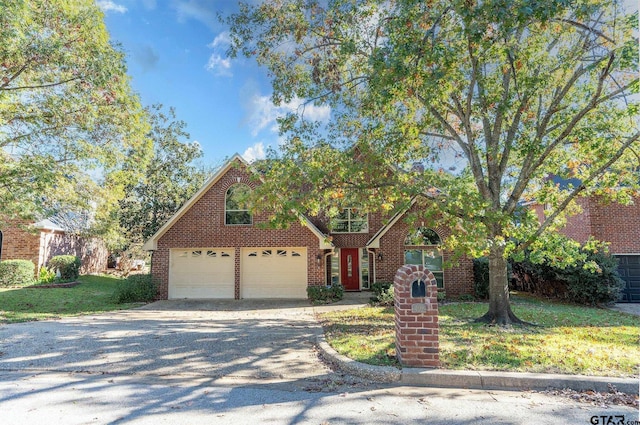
(444, 378)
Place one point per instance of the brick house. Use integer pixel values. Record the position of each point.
(39, 242)
(617, 224)
(213, 247)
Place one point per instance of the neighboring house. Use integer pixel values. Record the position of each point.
(213, 247)
(617, 224)
(39, 242)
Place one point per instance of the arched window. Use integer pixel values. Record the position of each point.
(429, 255)
(236, 205)
(422, 237)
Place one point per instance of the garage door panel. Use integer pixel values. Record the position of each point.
(629, 270)
(274, 273)
(202, 273)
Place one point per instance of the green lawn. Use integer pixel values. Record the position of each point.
(92, 295)
(567, 339)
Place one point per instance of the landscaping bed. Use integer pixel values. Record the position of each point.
(565, 339)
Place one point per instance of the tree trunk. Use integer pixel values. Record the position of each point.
(499, 306)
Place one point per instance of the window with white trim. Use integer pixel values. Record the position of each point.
(236, 205)
(350, 220)
(428, 255)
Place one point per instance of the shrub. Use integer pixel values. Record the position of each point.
(592, 281)
(325, 294)
(379, 287)
(46, 275)
(67, 265)
(136, 288)
(16, 272)
(601, 285)
(442, 296)
(385, 298)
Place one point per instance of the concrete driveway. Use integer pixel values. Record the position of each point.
(265, 340)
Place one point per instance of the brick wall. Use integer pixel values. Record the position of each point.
(617, 224)
(203, 226)
(20, 243)
(609, 222)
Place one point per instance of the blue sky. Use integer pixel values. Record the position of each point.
(176, 56)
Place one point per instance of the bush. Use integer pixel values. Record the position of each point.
(385, 298)
(67, 265)
(325, 294)
(379, 287)
(594, 287)
(16, 272)
(136, 288)
(593, 281)
(46, 275)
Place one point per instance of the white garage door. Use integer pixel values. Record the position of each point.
(273, 273)
(202, 273)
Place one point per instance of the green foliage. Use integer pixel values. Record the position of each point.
(325, 294)
(46, 275)
(66, 110)
(379, 287)
(67, 265)
(500, 94)
(16, 272)
(384, 298)
(136, 288)
(169, 181)
(594, 280)
(442, 296)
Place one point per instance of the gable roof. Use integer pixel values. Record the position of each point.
(152, 243)
(374, 242)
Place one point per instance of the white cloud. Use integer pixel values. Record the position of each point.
(262, 113)
(222, 40)
(218, 64)
(254, 152)
(110, 6)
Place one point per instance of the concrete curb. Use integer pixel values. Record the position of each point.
(444, 378)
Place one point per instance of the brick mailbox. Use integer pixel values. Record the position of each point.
(416, 316)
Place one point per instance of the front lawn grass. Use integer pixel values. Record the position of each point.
(567, 339)
(94, 294)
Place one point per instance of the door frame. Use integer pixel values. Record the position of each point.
(355, 268)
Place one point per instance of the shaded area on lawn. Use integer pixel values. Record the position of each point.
(568, 339)
(94, 294)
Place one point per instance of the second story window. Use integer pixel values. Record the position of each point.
(350, 220)
(236, 205)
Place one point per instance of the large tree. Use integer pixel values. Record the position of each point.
(499, 95)
(169, 180)
(69, 121)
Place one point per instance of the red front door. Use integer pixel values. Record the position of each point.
(350, 268)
